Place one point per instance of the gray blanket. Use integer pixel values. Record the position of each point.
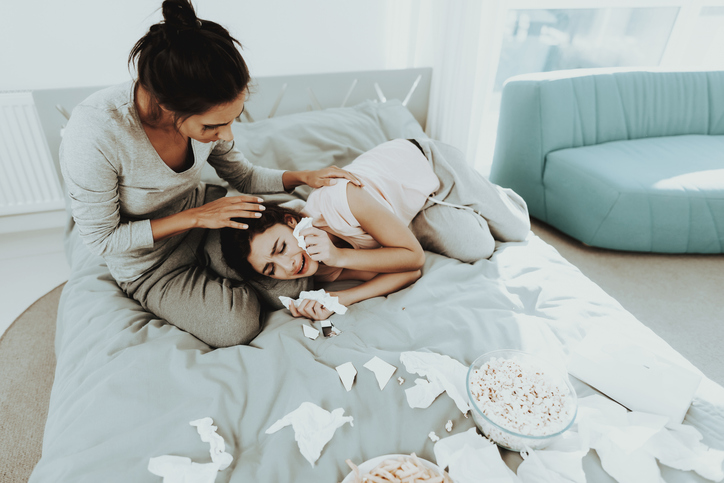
(485, 212)
(127, 384)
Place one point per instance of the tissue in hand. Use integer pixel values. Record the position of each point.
(303, 224)
(321, 296)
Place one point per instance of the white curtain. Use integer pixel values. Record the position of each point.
(461, 40)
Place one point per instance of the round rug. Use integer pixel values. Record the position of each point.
(27, 368)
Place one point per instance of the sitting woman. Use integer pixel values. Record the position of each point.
(358, 233)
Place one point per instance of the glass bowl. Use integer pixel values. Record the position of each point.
(508, 438)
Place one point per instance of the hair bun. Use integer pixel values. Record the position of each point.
(180, 14)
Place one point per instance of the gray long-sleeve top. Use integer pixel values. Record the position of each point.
(117, 182)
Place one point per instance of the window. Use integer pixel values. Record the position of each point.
(705, 46)
(544, 40)
(686, 34)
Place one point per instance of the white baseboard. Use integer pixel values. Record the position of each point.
(33, 221)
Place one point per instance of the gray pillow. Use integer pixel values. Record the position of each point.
(317, 139)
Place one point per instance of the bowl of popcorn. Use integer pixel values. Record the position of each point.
(520, 401)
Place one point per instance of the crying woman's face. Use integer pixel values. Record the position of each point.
(275, 253)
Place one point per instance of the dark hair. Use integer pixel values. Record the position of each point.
(188, 65)
(236, 244)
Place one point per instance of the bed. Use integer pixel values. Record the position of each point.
(127, 384)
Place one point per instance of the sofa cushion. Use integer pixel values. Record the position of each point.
(661, 194)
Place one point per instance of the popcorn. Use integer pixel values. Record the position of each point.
(520, 398)
(433, 437)
(449, 425)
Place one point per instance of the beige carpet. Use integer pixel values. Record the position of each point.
(678, 296)
(27, 367)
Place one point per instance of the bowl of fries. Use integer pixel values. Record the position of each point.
(396, 468)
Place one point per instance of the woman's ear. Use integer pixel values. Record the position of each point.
(291, 221)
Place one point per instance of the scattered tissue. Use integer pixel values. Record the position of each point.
(633, 376)
(179, 469)
(303, 224)
(383, 371)
(321, 296)
(443, 374)
(546, 466)
(628, 443)
(310, 332)
(328, 328)
(347, 373)
(217, 448)
(313, 428)
(468, 455)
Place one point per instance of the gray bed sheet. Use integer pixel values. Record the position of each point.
(127, 384)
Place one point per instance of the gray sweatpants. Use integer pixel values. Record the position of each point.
(194, 290)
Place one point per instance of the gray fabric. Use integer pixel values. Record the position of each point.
(459, 233)
(117, 182)
(196, 291)
(127, 384)
(317, 139)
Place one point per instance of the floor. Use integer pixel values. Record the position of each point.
(31, 264)
(678, 296)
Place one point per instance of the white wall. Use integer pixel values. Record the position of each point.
(53, 44)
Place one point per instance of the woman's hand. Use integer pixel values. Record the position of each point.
(321, 248)
(311, 309)
(219, 213)
(317, 178)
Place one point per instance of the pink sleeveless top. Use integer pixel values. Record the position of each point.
(395, 173)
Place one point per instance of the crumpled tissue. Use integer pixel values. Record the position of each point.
(179, 469)
(303, 224)
(321, 296)
(443, 373)
(383, 371)
(313, 428)
(217, 447)
(468, 456)
(629, 443)
(310, 332)
(347, 373)
(632, 375)
(554, 464)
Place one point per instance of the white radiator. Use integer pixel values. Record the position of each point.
(28, 179)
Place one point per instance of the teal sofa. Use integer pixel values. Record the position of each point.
(618, 159)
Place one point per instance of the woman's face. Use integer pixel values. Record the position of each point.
(275, 253)
(214, 124)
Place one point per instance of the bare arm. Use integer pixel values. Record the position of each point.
(217, 214)
(399, 251)
(392, 267)
(380, 284)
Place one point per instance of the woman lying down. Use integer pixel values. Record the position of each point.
(358, 233)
